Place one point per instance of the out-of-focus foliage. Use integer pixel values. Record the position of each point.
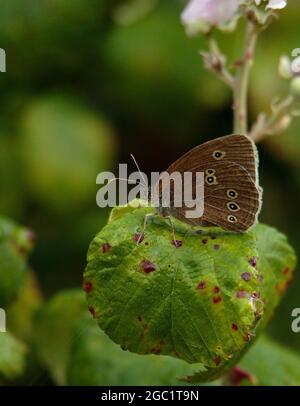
(12, 357)
(11, 187)
(15, 242)
(54, 326)
(20, 313)
(272, 364)
(64, 147)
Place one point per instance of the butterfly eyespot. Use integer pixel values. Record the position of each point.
(232, 219)
(210, 171)
(211, 180)
(219, 154)
(233, 206)
(232, 193)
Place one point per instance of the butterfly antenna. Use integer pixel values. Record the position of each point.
(138, 168)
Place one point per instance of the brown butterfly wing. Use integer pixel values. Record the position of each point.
(237, 148)
(229, 176)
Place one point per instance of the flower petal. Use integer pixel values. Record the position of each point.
(212, 12)
(277, 4)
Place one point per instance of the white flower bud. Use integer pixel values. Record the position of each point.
(285, 68)
(273, 4)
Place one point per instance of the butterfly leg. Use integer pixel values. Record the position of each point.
(146, 218)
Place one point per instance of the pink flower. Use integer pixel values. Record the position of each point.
(203, 14)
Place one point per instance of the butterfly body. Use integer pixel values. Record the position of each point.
(232, 195)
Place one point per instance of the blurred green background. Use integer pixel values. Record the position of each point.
(88, 83)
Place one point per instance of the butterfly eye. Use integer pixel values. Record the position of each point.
(219, 154)
(232, 193)
(210, 171)
(233, 206)
(232, 219)
(211, 180)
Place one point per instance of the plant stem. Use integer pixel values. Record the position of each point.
(217, 62)
(241, 85)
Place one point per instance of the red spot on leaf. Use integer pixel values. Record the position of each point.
(234, 327)
(147, 266)
(217, 247)
(138, 237)
(246, 276)
(213, 237)
(92, 310)
(217, 299)
(255, 295)
(106, 247)
(286, 271)
(87, 287)
(218, 360)
(217, 289)
(241, 294)
(204, 241)
(253, 262)
(247, 337)
(201, 285)
(177, 243)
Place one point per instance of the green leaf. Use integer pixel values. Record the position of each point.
(12, 357)
(15, 243)
(193, 302)
(272, 364)
(96, 360)
(200, 302)
(54, 326)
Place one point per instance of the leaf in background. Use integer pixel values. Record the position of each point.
(12, 357)
(96, 360)
(20, 313)
(64, 147)
(272, 364)
(195, 302)
(15, 244)
(54, 326)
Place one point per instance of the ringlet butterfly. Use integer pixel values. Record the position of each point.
(232, 195)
